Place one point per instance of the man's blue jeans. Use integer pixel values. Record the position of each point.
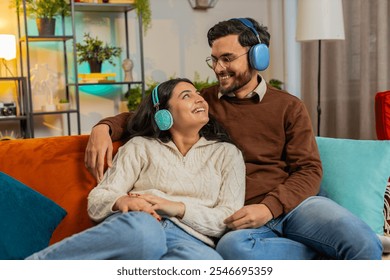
(129, 236)
(317, 228)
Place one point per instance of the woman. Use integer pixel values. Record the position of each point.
(169, 189)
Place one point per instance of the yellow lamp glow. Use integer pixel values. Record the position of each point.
(7, 46)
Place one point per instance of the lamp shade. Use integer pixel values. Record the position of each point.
(7, 46)
(320, 20)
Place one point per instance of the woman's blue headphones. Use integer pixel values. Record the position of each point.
(163, 118)
(259, 53)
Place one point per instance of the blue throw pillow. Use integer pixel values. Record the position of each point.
(355, 176)
(28, 219)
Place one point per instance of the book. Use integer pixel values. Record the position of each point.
(96, 77)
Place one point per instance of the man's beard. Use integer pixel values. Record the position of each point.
(240, 81)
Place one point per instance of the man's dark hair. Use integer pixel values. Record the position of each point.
(246, 37)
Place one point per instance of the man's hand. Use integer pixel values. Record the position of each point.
(98, 148)
(249, 216)
(128, 203)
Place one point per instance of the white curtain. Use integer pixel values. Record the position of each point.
(352, 71)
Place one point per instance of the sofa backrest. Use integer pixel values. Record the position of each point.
(54, 167)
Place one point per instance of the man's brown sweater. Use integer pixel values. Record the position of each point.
(283, 166)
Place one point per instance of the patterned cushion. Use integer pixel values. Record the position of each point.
(387, 210)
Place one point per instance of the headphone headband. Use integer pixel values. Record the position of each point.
(155, 100)
(250, 25)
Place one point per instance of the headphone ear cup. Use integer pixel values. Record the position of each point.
(164, 119)
(259, 57)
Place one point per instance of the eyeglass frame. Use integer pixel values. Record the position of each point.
(225, 64)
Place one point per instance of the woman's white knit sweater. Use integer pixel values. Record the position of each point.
(209, 180)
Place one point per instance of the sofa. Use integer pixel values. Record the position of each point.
(44, 186)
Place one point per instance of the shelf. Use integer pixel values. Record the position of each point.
(46, 38)
(12, 118)
(105, 83)
(54, 112)
(12, 78)
(103, 7)
(23, 116)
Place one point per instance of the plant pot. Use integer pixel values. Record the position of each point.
(95, 66)
(63, 106)
(48, 107)
(46, 26)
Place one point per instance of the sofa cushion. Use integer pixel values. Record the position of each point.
(382, 115)
(28, 219)
(54, 166)
(355, 176)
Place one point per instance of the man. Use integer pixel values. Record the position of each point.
(283, 217)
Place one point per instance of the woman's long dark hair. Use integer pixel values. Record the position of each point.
(142, 123)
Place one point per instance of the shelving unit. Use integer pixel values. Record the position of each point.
(111, 8)
(69, 70)
(22, 116)
(26, 39)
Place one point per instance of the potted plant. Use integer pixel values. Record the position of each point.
(276, 83)
(133, 96)
(63, 105)
(143, 10)
(201, 84)
(95, 52)
(44, 12)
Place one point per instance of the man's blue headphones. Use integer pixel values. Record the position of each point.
(163, 118)
(259, 53)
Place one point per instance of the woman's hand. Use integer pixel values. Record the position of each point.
(134, 203)
(162, 205)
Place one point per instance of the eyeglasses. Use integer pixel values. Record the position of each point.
(223, 60)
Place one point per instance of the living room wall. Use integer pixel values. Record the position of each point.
(175, 45)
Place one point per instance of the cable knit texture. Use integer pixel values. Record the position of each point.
(209, 180)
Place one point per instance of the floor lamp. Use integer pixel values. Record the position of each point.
(317, 21)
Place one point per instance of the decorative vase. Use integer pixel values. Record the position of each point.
(46, 26)
(95, 66)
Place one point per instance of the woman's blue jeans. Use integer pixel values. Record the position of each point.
(316, 229)
(129, 236)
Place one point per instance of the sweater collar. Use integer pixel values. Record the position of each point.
(201, 143)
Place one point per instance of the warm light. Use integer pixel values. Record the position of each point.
(7, 46)
(320, 20)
